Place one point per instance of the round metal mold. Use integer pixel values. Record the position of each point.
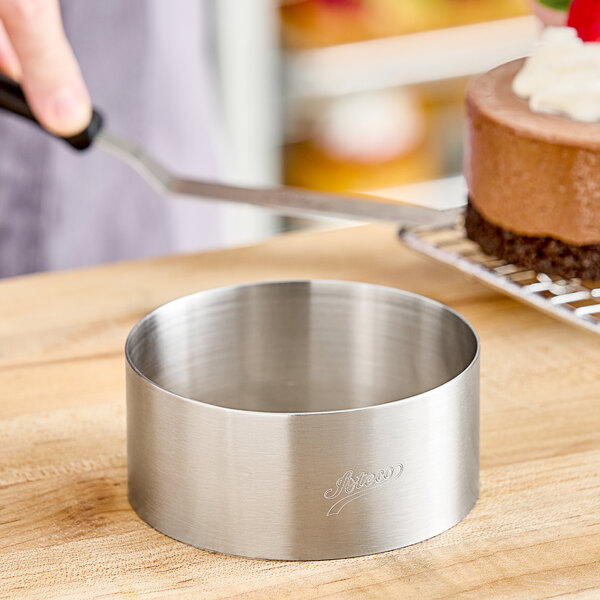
(303, 420)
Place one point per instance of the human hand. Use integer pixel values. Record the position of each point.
(35, 52)
(553, 17)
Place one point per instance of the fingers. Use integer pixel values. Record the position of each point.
(9, 63)
(51, 78)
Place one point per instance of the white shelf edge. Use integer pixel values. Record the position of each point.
(408, 59)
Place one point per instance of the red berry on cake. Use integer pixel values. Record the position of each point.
(584, 16)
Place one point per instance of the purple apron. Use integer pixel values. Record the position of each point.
(147, 65)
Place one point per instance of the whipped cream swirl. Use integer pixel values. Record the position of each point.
(562, 76)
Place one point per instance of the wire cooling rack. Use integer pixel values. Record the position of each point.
(571, 300)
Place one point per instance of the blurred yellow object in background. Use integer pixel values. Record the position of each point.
(363, 141)
(317, 23)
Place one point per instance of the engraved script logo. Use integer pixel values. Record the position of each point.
(350, 487)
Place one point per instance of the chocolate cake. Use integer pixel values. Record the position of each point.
(543, 254)
(534, 180)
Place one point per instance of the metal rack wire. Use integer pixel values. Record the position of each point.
(572, 300)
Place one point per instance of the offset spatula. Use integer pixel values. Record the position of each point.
(286, 200)
(438, 234)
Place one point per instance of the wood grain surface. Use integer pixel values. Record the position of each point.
(68, 532)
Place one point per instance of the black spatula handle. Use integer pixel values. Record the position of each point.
(13, 100)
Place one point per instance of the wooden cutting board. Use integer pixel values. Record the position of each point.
(68, 532)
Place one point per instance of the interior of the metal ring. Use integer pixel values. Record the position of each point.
(301, 347)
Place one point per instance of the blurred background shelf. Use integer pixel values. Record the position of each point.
(353, 95)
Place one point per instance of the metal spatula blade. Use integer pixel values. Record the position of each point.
(287, 200)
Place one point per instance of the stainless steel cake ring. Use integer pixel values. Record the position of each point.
(302, 420)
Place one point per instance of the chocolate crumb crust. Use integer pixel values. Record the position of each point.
(543, 254)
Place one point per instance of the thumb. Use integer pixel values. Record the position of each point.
(51, 78)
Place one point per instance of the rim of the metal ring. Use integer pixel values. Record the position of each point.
(283, 415)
